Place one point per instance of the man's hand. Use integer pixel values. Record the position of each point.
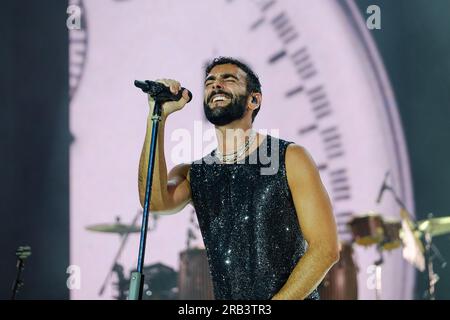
(170, 106)
(170, 192)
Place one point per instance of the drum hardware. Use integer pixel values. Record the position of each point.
(429, 228)
(123, 230)
(417, 233)
(160, 283)
(121, 283)
(412, 233)
(391, 235)
(370, 229)
(413, 250)
(434, 226)
(117, 227)
(378, 271)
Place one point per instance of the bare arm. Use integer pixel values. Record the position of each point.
(317, 222)
(170, 192)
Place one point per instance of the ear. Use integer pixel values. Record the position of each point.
(254, 100)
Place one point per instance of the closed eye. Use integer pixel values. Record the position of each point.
(226, 77)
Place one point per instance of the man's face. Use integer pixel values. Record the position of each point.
(225, 94)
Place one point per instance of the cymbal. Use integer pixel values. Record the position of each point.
(113, 228)
(413, 250)
(435, 226)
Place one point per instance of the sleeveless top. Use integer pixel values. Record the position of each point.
(248, 222)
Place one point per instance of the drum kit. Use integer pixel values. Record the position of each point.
(415, 238)
(123, 230)
(371, 229)
(160, 281)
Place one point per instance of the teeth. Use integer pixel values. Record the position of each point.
(219, 98)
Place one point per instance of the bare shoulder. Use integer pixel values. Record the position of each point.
(298, 156)
(299, 163)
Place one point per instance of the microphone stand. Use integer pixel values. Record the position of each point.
(22, 254)
(404, 213)
(137, 277)
(398, 200)
(160, 96)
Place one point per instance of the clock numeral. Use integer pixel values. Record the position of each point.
(286, 32)
(294, 91)
(341, 197)
(340, 185)
(264, 5)
(257, 23)
(307, 129)
(332, 142)
(277, 56)
(346, 214)
(303, 63)
(77, 55)
(342, 220)
(77, 35)
(319, 101)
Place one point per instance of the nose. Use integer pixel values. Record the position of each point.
(217, 85)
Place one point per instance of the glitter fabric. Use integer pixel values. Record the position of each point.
(248, 222)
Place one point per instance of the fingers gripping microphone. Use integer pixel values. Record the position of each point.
(159, 91)
(383, 187)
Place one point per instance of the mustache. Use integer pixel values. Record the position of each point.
(219, 92)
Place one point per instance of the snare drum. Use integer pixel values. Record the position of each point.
(368, 229)
(391, 238)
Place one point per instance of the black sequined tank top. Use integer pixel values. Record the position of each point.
(248, 222)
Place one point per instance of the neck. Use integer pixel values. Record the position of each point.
(231, 136)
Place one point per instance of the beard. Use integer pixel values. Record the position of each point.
(223, 115)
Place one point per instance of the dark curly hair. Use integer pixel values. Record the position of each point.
(253, 84)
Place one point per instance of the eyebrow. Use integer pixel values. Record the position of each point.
(223, 76)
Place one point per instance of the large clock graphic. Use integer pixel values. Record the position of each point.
(324, 87)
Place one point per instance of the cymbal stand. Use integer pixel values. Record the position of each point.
(432, 252)
(378, 268)
(433, 278)
(118, 254)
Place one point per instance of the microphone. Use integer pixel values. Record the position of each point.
(159, 91)
(383, 187)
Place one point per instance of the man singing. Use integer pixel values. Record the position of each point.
(267, 224)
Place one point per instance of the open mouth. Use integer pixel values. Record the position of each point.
(219, 97)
